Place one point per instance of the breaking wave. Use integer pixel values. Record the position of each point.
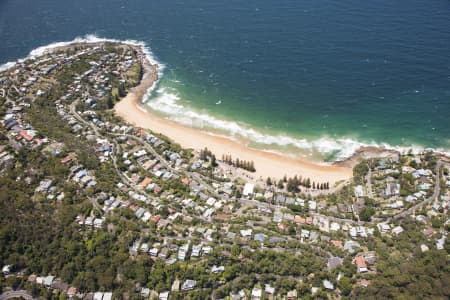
(87, 39)
(166, 101)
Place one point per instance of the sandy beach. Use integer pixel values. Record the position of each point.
(267, 164)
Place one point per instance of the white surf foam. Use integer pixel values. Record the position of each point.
(87, 39)
(167, 101)
(92, 39)
(7, 66)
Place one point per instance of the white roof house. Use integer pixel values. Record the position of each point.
(218, 269)
(397, 230)
(107, 296)
(269, 289)
(6, 269)
(359, 191)
(206, 249)
(256, 293)
(98, 296)
(383, 227)
(196, 249)
(48, 280)
(441, 242)
(424, 248)
(164, 295)
(247, 232)
(328, 285)
(248, 189)
(98, 223)
(211, 201)
(188, 285)
(145, 292)
(154, 251)
(335, 226)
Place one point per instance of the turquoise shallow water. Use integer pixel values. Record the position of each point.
(311, 77)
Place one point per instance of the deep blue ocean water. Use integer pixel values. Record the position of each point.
(314, 77)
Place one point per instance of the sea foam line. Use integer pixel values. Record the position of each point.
(87, 39)
(167, 101)
(93, 39)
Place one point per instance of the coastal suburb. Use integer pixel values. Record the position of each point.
(101, 198)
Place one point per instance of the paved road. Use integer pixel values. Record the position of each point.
(161, 159)
(79, 118)
(115, 149)
(95, 204)
(274, 207)
(369, 183)
(15, 294)
(197, 177)
(210, 189)
(412, 209)
(147, 147)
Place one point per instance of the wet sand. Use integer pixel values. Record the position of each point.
(131, 109)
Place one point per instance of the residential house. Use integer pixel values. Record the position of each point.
(216, 269)
(246, 233)
(292, 295)
(248, 189)
(333, 263)
(361, 264)
(359, 191)
(383, 227)
(188, 285)
(277, 217)
(196, 249)
(351, 246)
(256, 293)
(260, 237)
(328, 285)
(392, 189)
(6, 269)
(98, 296)
(107, 296)
(337, 244)
(72, 291)
(164, 296)
(397, 230)
(48, 280)
(145, 292)
(268, 289)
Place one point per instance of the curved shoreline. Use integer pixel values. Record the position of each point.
(131, 108)
(267, 164)
(364, 151)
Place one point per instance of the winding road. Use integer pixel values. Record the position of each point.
(15, 295)
(198, 178)
(433, 197)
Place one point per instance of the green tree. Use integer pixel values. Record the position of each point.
(366, 213)
(345, 285)
(280, 184)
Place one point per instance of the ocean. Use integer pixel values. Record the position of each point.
(310, 78)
